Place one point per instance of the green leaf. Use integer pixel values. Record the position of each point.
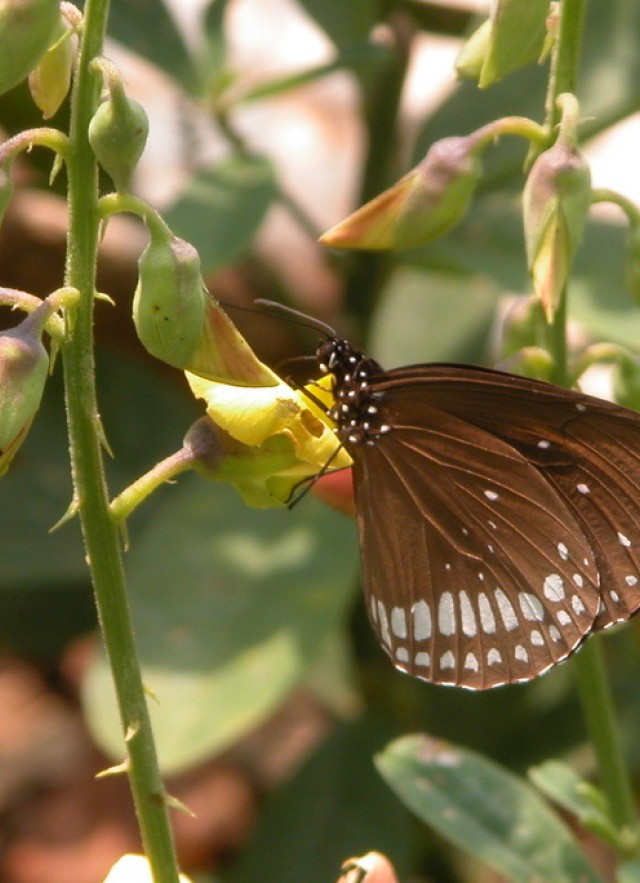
(415, 302)
(222, 207)
(484, 810)
(561, 784)
(231, 607)
(344, 23)
(147, 28)
(334, 808)
(628, 872)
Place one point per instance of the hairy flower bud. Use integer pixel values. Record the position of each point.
(27, 29)
(423, 205)
(118, 134)
(556, 202)
(24, 364)
(169, 302)
(50, 79)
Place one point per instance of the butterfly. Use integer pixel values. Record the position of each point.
(498, 516)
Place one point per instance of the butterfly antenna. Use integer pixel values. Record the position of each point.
(298, 317)
(307, 483)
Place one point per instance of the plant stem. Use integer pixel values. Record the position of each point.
(99, 530)
(594, 687)
(599, 712)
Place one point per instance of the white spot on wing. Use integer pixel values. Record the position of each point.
(623, 540)
(563, 617)
(582, 488)
(577, 604)
(563, 551)
(446, 615)
(402, 654)
(384, 624)
(494, 657)
(536, 638)
(521, 653)
(491, 495)
(421, 620)
(447, 660)
(555, 633)
(531, 607)
(553, 587)
(423, 658)
(399, 622)
(577, 578)
(507, 612)
(487, 619)
(471, 662)
(467, 615)
(631, 580)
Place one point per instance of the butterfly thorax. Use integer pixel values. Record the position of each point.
(356, 409)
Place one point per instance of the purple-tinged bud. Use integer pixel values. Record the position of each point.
(118, 134)
(24, 365)
(556, 203)
(423, 205)
(50, 79)
(27, 29)
(169, 301)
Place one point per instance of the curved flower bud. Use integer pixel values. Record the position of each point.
(517, 37)
(50, 79)
(24, 365)
(169, 301)
(472, 56)
(423, 205)
(27, 29)
(118, 134)
(556, 202)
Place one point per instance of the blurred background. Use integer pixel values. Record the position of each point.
(269, 122)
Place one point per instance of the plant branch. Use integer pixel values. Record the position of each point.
(99, 530)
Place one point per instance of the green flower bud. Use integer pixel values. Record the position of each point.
(118, 133)
(27, 29)
(556, 202)
(49, 81)
(517, 37)
(169, 302)
(632, 262)
(472, 56)
(423, 205)
(6, 188)
(24, 365)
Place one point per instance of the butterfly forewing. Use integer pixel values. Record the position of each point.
(482, 592)
(499, 517)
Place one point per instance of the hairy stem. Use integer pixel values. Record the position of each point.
(99, 530)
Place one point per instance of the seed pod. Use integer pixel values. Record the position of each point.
(556, 202)
(169, 302)
(50, 79)
(27, 29)
(24, 364)
(423, 205)
(118, 134)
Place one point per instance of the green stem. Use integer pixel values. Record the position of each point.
(594, 688)
(131, 497)
(367, 271)
(99, 530)
(599, 712)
